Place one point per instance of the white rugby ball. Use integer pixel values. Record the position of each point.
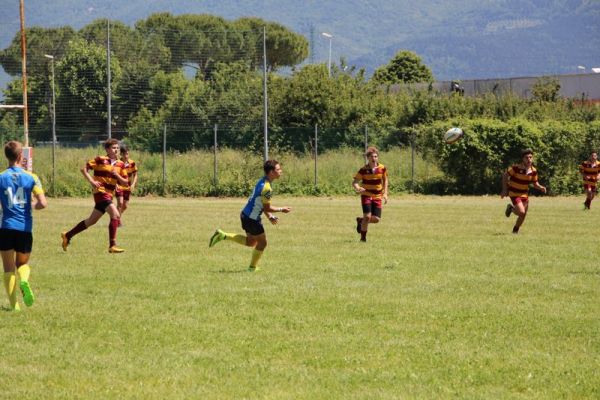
(453, 135)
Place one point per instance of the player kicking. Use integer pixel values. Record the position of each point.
(374, 179)
(259, 202)
(590, 169)
(108, 171)
(123, 192)
(515, 184)
(16, 240)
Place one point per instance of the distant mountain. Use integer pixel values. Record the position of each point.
(457, 39)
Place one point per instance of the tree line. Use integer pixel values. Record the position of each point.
(192, 72)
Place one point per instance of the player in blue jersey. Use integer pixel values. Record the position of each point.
(16, 189)
(259, 202)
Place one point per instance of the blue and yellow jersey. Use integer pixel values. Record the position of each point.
(16, 187)
(261, 195)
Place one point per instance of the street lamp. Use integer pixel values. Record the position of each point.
(329, 36)
(53, 113)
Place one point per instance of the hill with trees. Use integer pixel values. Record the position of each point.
(461, 39)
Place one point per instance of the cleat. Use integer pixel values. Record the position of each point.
(253, 269)
(509, 210)
(358, 224)
(28, 297)
(115, 249)
(363, 240)
(216, 238)
(585, 206)
(65, 241)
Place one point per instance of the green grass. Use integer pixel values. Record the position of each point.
(442, 302)
(192, 173)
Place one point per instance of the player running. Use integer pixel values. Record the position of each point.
(374, 179)
(123, 192)
(515, 184)
(16, 240)
(259, 202)
(108, 171)
(590, 169)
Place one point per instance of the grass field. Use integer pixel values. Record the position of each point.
(442, 302)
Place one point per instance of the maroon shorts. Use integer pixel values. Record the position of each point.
(102, 200)
(125, 194)
(591, 188)
(517, 200)
(371, 205)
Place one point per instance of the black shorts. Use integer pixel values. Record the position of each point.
(251, 226)
(102, 201)
(19, 241)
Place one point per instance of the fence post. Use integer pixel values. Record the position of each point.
(265, 98)
(412, 158)
(366, 142)
(316, 153)
(215, 177)
(164, 159)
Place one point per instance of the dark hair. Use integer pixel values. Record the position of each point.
(270, 166)
(12, 150)
(110, 142)
(526, 151)
(124, 148)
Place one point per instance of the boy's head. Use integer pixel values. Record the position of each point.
(110, 142)
(525, 152)
(13, 150)
(124, 150)
(270, 165)
(371, 150)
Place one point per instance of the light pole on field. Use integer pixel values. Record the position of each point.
(330, 37)
(53, 113)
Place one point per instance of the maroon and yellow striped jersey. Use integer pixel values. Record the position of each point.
(131, 169)
(372, 180)
(103, 172)
(520, 179)
(590, 172)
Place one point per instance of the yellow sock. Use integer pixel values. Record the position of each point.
(24, 271)
(256, 255)
(10, 284)
(240, 239)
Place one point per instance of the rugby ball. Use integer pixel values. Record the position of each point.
(453, 135)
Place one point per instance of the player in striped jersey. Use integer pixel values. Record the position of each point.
(124, 191)
(590, 169)
(259, 202)
(374, 179)
(515, 184)
(108, 171)
(16, 189)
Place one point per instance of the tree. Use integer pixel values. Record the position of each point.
(405, 67)
(140, 58)
(545, 89)
(40, 41)
(82, 76)
(284, 47)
